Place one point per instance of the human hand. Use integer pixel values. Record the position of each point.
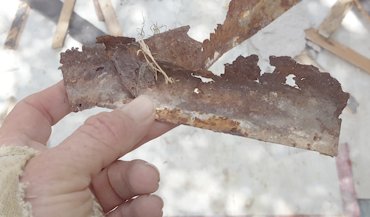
(61, 180)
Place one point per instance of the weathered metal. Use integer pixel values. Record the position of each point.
(243, 101)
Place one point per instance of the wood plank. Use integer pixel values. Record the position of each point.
(98, 11)
(110, 17)
(17, 26)
(335, 17)
(338, 49)
(63, 23)
(79, 28)
(362, 9)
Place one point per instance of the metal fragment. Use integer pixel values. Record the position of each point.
(243, 101)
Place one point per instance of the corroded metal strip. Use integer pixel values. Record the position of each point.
(241, 102)
(244, 19)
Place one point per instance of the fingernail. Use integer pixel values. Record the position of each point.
(140, 109)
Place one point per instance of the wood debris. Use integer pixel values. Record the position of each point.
(321, 36)
(98, 11)
(17, 26)
(79, 28)
(63, 24)
(242, 101)
(365, 11)
(110, 18)
(335, 18)
(339, 49)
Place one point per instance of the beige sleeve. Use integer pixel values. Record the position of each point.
(12, 162)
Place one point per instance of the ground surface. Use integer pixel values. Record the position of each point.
(206, 173)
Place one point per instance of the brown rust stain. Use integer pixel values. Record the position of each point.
(219, 124)
(174, 116)
(214, 123)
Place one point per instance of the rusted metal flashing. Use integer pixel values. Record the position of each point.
(243, 101)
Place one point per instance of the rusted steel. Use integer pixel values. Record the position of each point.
(240, 102)
(243, 101)
(244, 19)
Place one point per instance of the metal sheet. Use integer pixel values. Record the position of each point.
(243, 101)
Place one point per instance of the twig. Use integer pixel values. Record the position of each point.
(152, 62)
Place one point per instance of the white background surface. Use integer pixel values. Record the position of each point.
(205, 172)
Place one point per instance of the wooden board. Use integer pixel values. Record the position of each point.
(63, 23)
(16, 28)
(98, 11)
(340, 50)
(110, 18)
(79, 28)
(362, 9)
(335, 17)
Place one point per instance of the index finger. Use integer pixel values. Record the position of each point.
(33, 116)
(105, 137)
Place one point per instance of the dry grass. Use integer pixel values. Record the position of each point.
(154, 66)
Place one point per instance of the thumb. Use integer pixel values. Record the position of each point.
(105, 137)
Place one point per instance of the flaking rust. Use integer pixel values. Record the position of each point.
(262, 107)
(243, 101)
(245, 18)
